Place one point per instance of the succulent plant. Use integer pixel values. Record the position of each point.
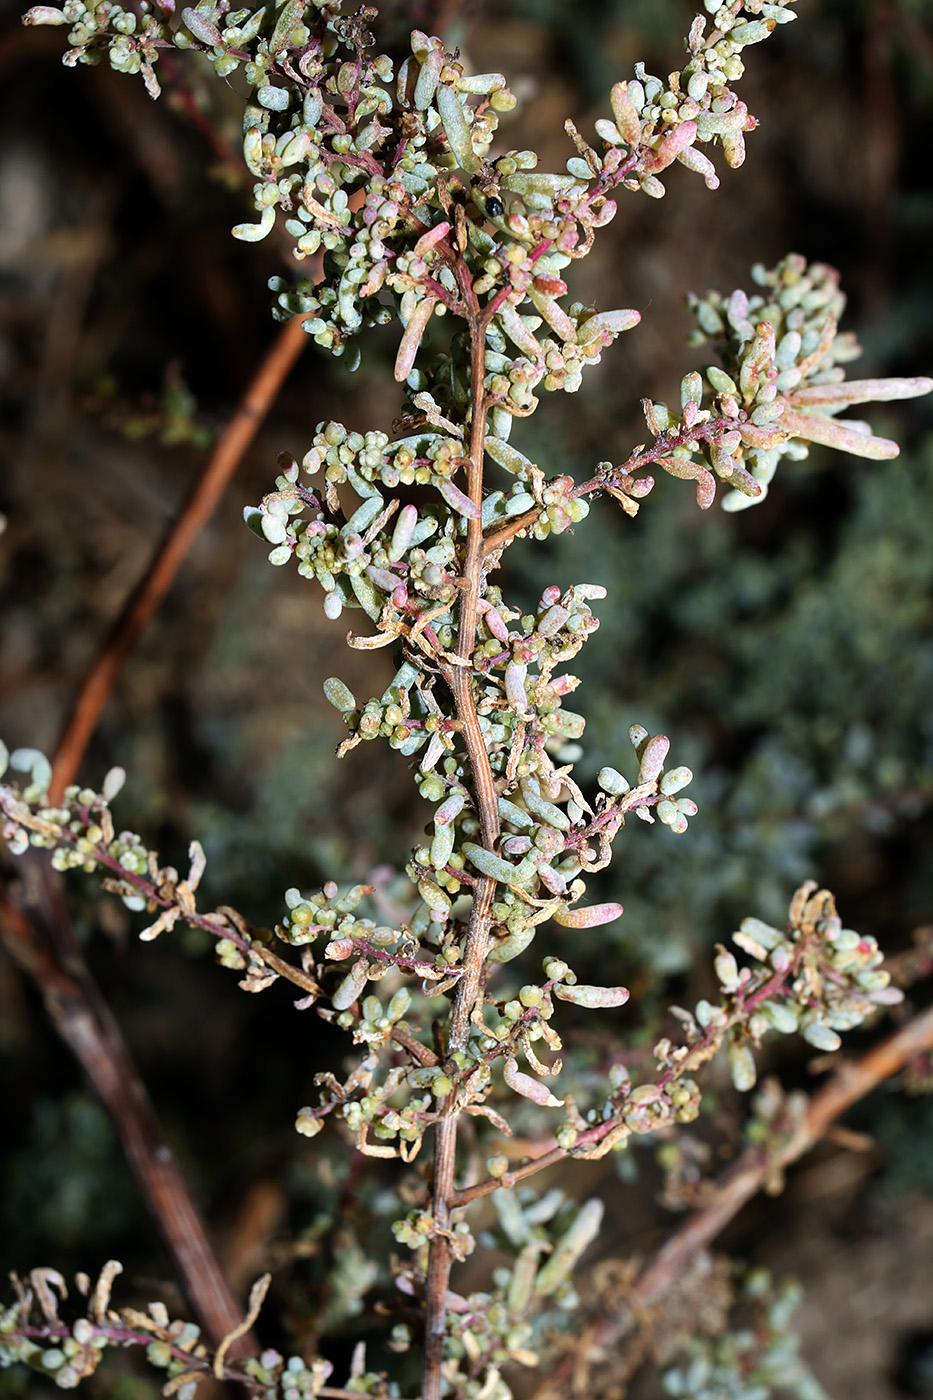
(394, 181)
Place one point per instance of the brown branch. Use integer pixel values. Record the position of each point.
(461, 682)
(851, 1082)
(171, 553)
(87, 1027)
(546, 1157)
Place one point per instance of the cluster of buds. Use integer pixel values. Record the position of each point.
(663, 120)
(73, 831)
(368, 1104)
(574, 337)
(511, 1323)
(815, 978)
(131, 37)
(388, 1105)
(80, 834)
(551, 833)
(387, 174)
(778, 387)
(358, 561)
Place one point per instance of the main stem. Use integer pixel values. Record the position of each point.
(460, 680)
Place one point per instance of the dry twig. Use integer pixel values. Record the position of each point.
(171, 553)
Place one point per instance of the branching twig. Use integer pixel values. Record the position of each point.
(851, 1082)
(114, 1330)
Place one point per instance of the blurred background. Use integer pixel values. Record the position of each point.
(787, 651)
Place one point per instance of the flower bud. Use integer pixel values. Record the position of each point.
(351, 986)
(742, 1066)
(526, 1086)
(595, 998)
(819, 1035)
(592, 916)
(611, 781)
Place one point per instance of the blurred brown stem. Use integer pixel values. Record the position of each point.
(171, 553)
(743, 1180)
(851, 1082)
(84, 1022)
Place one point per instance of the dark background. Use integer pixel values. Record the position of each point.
(787, 651)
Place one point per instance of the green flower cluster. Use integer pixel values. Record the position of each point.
(328, 912)
(395, 1104)
(358, 562)
(66, 1353)
(293, 1378)
(78, 833)
(816, 978)
(323, 123)
(574, 336)
(65, 1358)
(411, 567)
(550, 831)
(130, 37)
(771, 344)
(386, 1108)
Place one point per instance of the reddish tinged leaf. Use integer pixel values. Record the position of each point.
(589, 917)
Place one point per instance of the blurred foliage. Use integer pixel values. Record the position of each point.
(67, 1183)
(902, 1129)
